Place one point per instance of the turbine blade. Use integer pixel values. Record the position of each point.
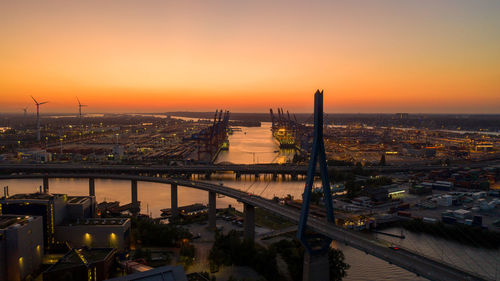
(34, 99)
(78, 101)
(43, 102)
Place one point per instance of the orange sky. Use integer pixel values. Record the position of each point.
(151, 56)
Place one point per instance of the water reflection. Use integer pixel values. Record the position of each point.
(256, 145)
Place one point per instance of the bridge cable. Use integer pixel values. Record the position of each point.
(432, 246)
(265, 188)
(480, 248)
(253, 182)
(460, 257)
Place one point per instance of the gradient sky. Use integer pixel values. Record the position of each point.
(440, 56)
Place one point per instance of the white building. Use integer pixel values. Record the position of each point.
(21, 246)
(462, 214)
(445, 200)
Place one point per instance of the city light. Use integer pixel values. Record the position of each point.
(223, 134)
(87, 239)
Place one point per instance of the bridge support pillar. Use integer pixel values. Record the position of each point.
(45, 185)
(135, 202)
(91, 187)
(275, 177)
(92, 194)
(208, 176)
(249, 222)
(173, 200)
(212, 210)
(238, 176)
(316, 267)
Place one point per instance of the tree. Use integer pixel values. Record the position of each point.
(293, 254)
(338, 268)
(316, 196)
(231, 249)
(382, 160)
(353, 189)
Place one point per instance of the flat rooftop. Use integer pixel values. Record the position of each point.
(192, 208)
(8, 220)
(35, 196)
(77, 199)
(101, 221)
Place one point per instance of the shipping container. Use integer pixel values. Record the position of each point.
(449, 220)
(404, 214)
(429, 220)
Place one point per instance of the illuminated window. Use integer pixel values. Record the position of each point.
(87, 239)
(113, 240)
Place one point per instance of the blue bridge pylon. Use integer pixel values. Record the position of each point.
(315, 243)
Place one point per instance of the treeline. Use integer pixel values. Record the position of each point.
(150, 233)
(293, 254)
(230, 249)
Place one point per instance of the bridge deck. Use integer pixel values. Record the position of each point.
(290, 169)
(423, 266)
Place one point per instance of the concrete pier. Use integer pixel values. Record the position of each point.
(173, 200)
(45, 185)
(212, 210)
(134, 198)
(316, 267)
(249, 222)
(134, 191)
(91, 187)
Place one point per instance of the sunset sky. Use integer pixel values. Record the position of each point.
(437, 56)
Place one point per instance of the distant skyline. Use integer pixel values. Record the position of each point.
(379, 56)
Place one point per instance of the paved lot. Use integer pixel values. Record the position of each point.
(204, 244)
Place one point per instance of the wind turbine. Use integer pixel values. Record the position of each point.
(25, 111)
(80, 107)
(38, 117)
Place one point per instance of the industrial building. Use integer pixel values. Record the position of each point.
(82, 264)
(97, 232)
(21, 246)
(51, 207)
(55, 209)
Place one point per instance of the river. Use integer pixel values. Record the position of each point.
(256, 145)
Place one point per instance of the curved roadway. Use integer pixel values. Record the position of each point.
(420, 265)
